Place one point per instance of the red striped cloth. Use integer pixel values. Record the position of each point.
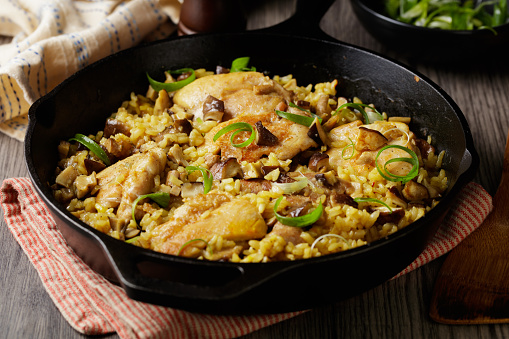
(92, 305)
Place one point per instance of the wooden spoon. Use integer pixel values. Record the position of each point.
(473, 284)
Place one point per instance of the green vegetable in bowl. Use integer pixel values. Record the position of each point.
(449, 14)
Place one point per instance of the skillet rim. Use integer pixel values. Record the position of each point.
(102, 238)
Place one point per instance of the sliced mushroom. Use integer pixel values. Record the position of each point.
(163, 102)
(394, 194)
(63, 149)
(222, 70)
(369, 140)
(267, 169)
(318, 134)
(84, 184)
(213, 109)
(319, 162)
(191, 189)
(93, 166)
(67, 177)
(176, 155)
(390, 217)
(120, 149)
(173, 181)
(117, 224)
(337, 199)
(414, 191)
(327, 179)
(303, 104)
(230, 168)
(183, 126)
(264, 137)
(323, 109)
(424, 147)
(113, 126)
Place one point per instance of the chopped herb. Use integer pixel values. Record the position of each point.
(240, 65)
(160, 198)
(93, 147)
(384, 172)
(369, 117)
(207, 177)
(373, 200)
(301, 221)
(173, 86)
(237, 127)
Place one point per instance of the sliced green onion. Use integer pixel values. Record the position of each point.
(369, 117)
(291, 104)
(414, 161)
(352, 145)
(297, 118)
(130, 241)
(173, 86)
(207, 177)
(373, 200)
(190, 242)
(92, 146)
(301, 221)
(160, 198)
(240, 65)
(290, 187)
(237, 127)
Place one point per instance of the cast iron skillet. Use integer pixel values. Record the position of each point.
(85, 100)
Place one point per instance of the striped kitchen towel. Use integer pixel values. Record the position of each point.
(94, 306)
(52, 39)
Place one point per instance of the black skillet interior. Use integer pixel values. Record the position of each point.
(83, 102)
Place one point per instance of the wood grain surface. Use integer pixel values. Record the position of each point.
(396, 309)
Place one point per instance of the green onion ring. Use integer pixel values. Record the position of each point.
(373, 200)
(291, 104)
(299, 119)
(414, 161)
(360, 108)
(352, 145)
(93, 147)
(207, 177)
(173, 86)
(301, 221)
(161, 198)
(237, 127)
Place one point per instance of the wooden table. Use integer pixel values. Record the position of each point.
(396, 309)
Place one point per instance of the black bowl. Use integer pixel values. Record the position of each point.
(431, 44)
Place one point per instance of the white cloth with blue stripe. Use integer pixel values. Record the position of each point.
(52, 39)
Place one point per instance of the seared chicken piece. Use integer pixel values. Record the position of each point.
(110, 179)
(126, 180)
(243, 93)
(292, 137)
(368, 139)
(232, 219)
(140, 180)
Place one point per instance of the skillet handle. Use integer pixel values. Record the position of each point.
(181, 282)
(305, 21)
